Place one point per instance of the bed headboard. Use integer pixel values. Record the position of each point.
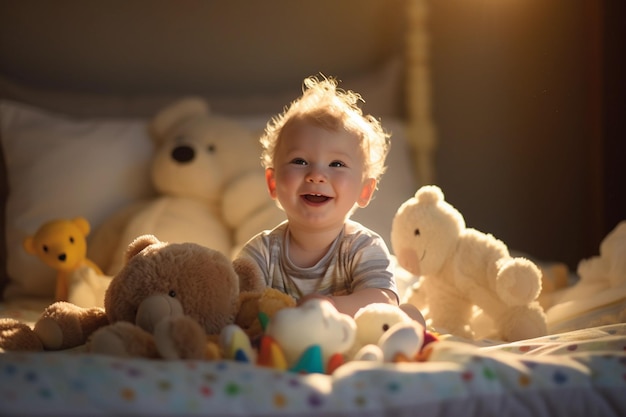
(233, 49)
(123, 58)
(128, 59)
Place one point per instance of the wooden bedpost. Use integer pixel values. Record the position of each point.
(420, 127)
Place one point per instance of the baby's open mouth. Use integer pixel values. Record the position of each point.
(316, 198)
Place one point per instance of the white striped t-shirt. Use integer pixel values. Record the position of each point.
(358, 258)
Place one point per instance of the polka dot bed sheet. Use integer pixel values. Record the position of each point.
(581, 372)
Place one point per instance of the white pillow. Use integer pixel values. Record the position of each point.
(58, 167)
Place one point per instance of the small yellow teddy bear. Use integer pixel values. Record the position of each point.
(62, 245)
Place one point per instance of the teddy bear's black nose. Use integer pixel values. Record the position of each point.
(183, 153)
(62, 257)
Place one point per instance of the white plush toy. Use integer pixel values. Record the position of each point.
(210, 184)
(602, 283)
(460, 269)
(314, 328)
(386, 333)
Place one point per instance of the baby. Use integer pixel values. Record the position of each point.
(323, 159)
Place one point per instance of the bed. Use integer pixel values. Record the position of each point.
(79, 82)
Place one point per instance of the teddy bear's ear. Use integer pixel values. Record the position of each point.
(29, 245)
(429, 194)
(82, 224)
(250, 276)
(139, 244)
(176, 113)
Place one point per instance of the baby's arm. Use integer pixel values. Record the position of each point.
(350, 304)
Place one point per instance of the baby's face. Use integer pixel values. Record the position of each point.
(318, 175)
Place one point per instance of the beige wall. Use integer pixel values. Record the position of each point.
(509, 104)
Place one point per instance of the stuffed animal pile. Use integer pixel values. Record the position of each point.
(210, 184)
(315, 338)
(462, 270)
(170, 300)
(186, 301)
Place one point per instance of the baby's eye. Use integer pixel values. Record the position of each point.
(298, 161)
(337, 164)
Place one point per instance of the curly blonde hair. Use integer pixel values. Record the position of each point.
(325, 105)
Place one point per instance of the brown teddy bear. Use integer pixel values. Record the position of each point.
(170, 300)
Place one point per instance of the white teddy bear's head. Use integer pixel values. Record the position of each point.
(198, 153)
(386, 331)
(373, 320)
(425, 231)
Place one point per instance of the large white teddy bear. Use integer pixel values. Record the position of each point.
(462, 270)
(210, 185)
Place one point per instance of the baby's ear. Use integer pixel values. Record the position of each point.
(367, 191)
(270, 178)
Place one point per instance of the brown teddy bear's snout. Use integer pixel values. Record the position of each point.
(155, 308)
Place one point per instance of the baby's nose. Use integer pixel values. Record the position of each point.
(316, 175)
